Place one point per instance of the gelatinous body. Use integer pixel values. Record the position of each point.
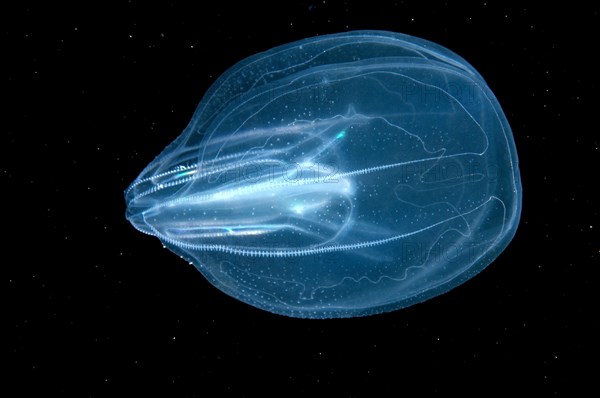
(338, 176)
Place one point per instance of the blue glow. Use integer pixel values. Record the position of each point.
(185, 173)
(338, 176)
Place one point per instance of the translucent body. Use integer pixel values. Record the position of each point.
(338, 176)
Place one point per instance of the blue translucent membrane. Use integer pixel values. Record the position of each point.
(338, 176)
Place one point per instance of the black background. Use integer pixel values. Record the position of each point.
(94, 308)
